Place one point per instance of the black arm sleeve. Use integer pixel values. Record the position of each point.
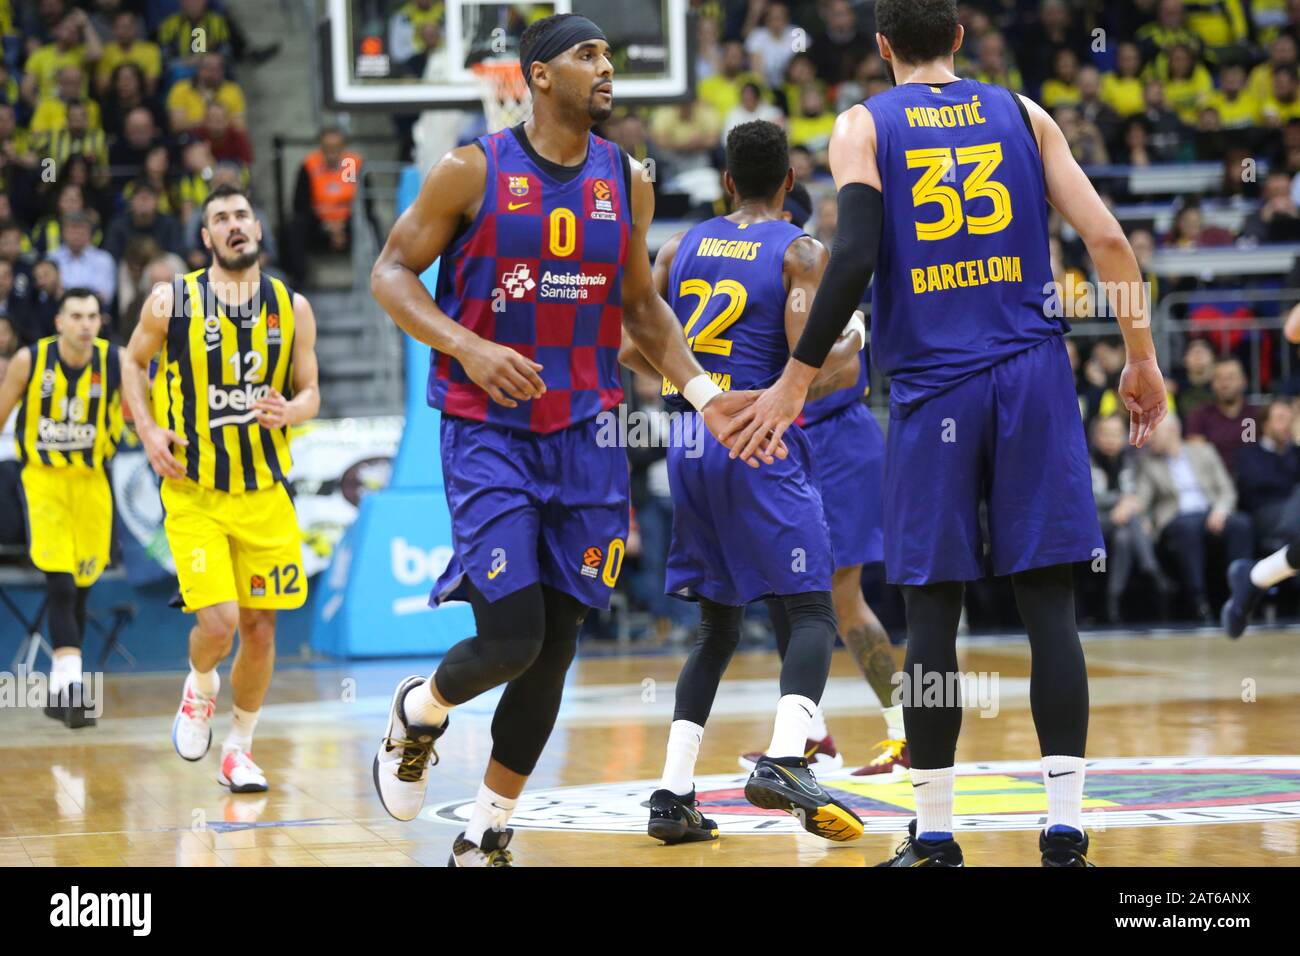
(853, 259)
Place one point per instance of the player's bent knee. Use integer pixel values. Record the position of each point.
(216, 624)
(507, 659)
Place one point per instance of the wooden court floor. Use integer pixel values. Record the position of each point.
(118, 795)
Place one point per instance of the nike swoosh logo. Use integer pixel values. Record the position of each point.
(492, 575)
(797, 782)
(921, 784)
(806, 711)
(1063, 774)
(518, 205)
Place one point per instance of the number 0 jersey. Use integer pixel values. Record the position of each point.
(540, 270)
(70, 417)
(212, 369)
(964, 279)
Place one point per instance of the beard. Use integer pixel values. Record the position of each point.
(239, 261)
(598, 114)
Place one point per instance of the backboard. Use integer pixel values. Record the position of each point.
(380, 59)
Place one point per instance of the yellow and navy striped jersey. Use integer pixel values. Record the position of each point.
(70, 417)
(217, 361)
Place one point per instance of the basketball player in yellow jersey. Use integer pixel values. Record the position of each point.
(236, 368)
(69, 423)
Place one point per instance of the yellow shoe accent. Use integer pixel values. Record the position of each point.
(893, 749)
(835, 824)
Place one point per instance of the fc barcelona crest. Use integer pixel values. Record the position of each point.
(519, 185)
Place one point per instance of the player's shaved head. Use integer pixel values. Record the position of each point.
(758, 159)
(918, 31)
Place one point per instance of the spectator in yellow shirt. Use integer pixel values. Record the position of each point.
(75, 137)
(995, 66)
(1284, 103)
(1218, 23)
(1236, 107)
(179, 34)
(811, 124)
(52, 113)
(128, 47)
(1187, 83)
(1061, 88)
(722, 90)
(1121, 89)
(1281, 52)
(187, 103)
(75, 44)
(690, 127)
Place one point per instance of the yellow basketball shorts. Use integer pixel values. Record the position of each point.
(69, 520)
(234, 547)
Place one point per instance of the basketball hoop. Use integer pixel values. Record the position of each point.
(506, 98)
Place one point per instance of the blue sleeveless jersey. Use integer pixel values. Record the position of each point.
(540, 270)
(963, 281)
(727, 287)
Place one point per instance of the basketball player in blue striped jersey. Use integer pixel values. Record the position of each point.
(741, 285)
(944, 186)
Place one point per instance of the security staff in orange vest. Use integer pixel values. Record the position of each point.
(322, 202)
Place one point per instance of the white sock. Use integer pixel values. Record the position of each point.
(932, 790)
(205, 683)
(679, 763)
(66, 670)
(894, 722)
(794, 717)
(1271, 570)
(818, 730)
(422, 708)
(491, 812)
(1063, 779)
(241, 731)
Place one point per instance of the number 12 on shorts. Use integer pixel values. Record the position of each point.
(283, 581)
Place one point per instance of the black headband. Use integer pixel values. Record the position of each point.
(571, 31)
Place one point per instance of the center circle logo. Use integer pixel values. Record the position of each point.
(999, 795)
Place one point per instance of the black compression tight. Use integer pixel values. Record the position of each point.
(66, 609)
(1058, 689)
(527, 641)
(808, 621)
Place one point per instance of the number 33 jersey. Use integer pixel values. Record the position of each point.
(964, 279)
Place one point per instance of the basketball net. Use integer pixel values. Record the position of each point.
(506, 99)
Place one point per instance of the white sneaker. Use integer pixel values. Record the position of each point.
(192, 728)
(240, 775)
(401, 767)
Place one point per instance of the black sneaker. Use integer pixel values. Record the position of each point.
(786, 783)
(914, 852)
(491, 852)
(70, 707)
(1064, 848)
(1242, 598)
(675, 819)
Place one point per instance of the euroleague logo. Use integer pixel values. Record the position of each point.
(602, 198)
(998, 795)
(591, 561)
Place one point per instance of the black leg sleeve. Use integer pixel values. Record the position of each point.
(702, 673)
(510, 635)
(1058, 681)
(61, 589)
(526, 714)
(933, 612)
(812, 638)
(780, 625)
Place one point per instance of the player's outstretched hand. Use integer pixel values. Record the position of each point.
(503, 373)
(158, 443)
(1142, 390)
(726, 412)
(272, 410)
(757, 430)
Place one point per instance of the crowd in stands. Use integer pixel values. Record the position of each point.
(117, 117)
(1133, 86)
